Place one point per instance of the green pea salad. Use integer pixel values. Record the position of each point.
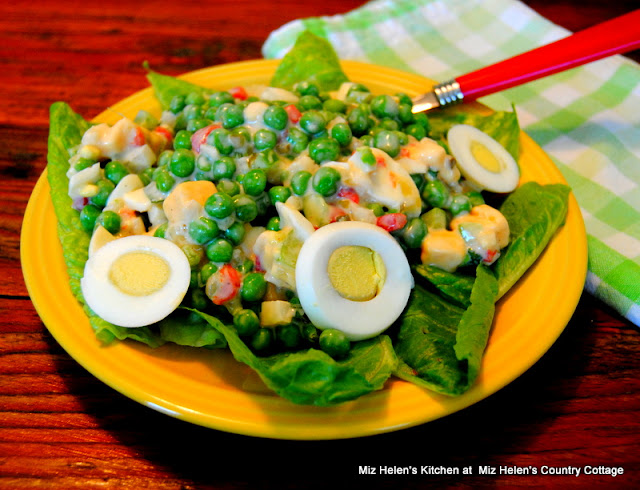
(325, 234)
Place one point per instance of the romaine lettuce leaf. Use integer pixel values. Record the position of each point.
(534, 212)
(65, 132)
(312, 59)
(440, 345)
(166, 87)
(312, 377)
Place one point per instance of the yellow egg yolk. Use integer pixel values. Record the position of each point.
(139, 273)
(485, 157)
(357, 273)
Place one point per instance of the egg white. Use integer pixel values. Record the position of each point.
(117, 307)
(460, 139)
(325, 307)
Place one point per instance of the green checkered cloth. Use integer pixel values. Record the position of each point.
(587, 119)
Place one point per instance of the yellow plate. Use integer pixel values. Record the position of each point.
(211, 389)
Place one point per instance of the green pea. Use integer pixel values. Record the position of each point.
(378, 209)
(203, 163)
(105, 188)
(198, 123)
(164, 180)
(309, 333)
(221, 140)
(177, 103)
(405, 116)
(235, 233)
(239, 137)
(265, 158)
(261, 340)
(312, 122)
(228, 186)
(160, 230)
(334, 105)
(273, 224)
(308, 102)
(300, 181)
(219, 205)
(146, 176)
(414, 232)
(83, 163)
(366, 140)
(436, 194)
(475, 198)
(297, 139)
(115, 171)
(203, 230)
(279, 193)
(422, 119)
(384, 106)
(341, 132)
(403, 138)
(404, 98)
(388, 124)
(219, 250)
(254, 287)
(254, 182)
(388, 142)
(335, 343)
(195, 98)
(231, 115)
(183, 162)
(289, 336)
(275, 117)
(246, 322)
(193, 252)
(265, 139)
(218, 98)
(182, 139)
(88, 217)
(224, 168)
(192, 111)
(246, 208)
(324, 149)
(207, 270)
(164, 158)
(416, 130)
(325, 181)
(459, 204)
(110, 220)
(307, 88)
(358, 119)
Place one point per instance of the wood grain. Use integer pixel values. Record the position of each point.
(60, 428)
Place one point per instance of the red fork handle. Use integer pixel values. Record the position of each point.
(615, 36)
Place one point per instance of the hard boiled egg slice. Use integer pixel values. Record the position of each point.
(354, 277)
(136, 280)
(482, 160)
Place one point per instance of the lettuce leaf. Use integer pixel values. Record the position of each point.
(440, 345)
(312, 59)
(65, 132)
(166, 87)
(311, 377)
(534, 212)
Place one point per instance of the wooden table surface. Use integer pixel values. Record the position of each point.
(62, 428)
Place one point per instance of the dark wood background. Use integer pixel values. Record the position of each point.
(62, 428)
